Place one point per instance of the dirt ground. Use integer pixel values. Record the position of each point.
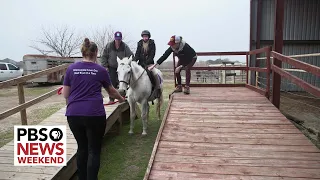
(304, 111)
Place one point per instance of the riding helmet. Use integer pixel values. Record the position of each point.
(146, 32)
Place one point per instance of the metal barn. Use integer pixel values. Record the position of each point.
(300, 23)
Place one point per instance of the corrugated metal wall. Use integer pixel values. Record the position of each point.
(301, 28)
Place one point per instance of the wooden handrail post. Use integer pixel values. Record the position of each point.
(278, 46)
(268, 53)
(23, 113)
(174, 68)
(257, 78)
(247, 71)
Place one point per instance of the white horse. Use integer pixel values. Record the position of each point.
(135, 83)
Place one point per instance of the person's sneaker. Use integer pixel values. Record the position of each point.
(187, 90)
(178, 89)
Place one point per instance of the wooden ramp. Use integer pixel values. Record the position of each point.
(8, 171)
(229, 133)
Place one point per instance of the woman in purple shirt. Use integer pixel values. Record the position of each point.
(85, 110)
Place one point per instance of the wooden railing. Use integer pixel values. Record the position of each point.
(270, 67)
(297, 65)
(267, 70)
(266, 50)
(20, 81)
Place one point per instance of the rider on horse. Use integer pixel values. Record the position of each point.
(146, 50)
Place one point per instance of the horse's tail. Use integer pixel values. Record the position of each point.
(159, 105)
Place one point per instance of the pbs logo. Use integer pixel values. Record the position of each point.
(40, 133)
(56, 134)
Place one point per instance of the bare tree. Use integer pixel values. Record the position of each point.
(62, 42)
(104, 35)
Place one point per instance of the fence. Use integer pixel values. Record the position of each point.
(246, 68)
(20, 81)
(270, 68)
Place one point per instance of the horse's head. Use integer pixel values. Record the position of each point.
(124, 73)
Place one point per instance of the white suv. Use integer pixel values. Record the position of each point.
(9, 71)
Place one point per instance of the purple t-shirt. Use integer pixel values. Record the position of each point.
(86, 80)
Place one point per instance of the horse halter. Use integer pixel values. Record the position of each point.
(123, 81)
(128, 83)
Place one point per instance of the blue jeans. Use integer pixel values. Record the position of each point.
(88, 132)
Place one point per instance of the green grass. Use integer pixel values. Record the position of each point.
(126, 157)
(6, 137)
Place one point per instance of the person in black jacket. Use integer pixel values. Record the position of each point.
(146, 50)
(187, 58)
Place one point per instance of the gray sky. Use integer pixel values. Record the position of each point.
(207, 25)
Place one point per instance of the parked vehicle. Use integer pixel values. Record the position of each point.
(35, 63)
(9, 71)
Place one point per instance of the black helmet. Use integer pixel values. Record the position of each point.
(146, 32)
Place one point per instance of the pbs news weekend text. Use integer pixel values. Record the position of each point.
(40, 145)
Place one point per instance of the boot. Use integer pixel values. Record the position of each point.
(187, 90)
(178, 89)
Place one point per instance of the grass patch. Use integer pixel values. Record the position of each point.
(43, 113)
(6, 137)
(37, 91)
(126, 157)
(28, 91)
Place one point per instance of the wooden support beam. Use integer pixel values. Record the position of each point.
(258, 33)
(278, 44)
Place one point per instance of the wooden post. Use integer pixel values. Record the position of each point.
(258, 37)
(247, 71)
(23, 113)
(121, 113)
(268, 73)
(257, 79)
(278, 44)
(174, 68)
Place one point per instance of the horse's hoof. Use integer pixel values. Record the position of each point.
(130, 132)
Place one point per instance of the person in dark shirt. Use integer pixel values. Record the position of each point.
(146, 50)
(114, 49)
(187, 58)
(85, 112)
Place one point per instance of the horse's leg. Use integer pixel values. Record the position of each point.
(144, 117)
(132, 114)
(147, 119)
